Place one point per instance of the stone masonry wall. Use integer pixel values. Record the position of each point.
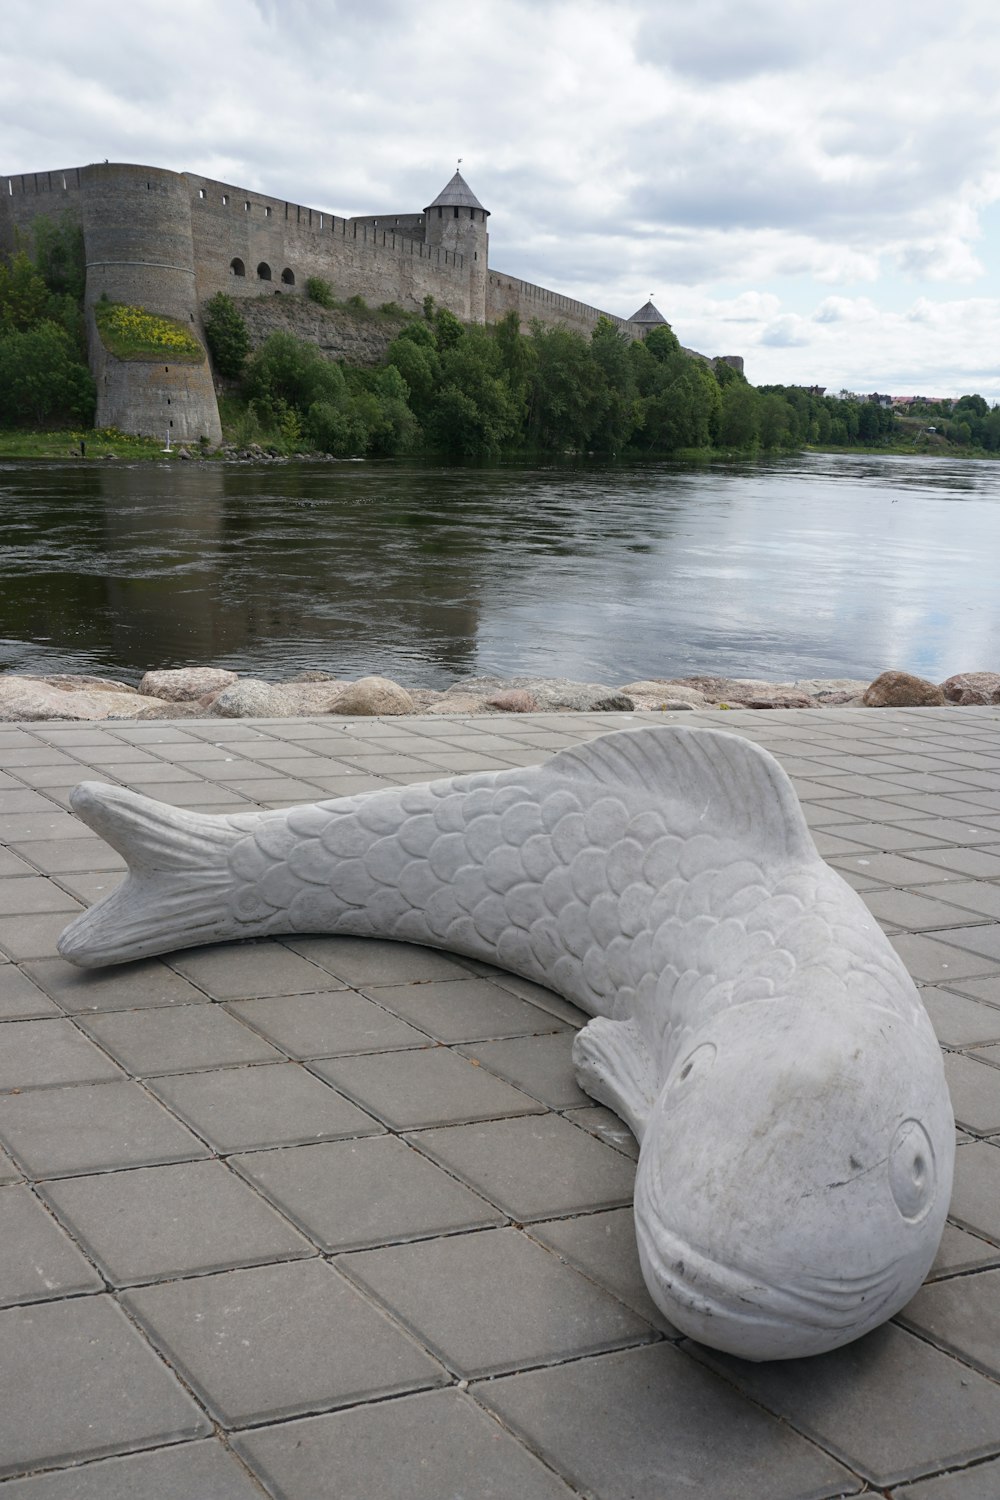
(24, 197)
(506, 294)
(288, 240)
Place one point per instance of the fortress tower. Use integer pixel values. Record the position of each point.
(139, 249)
(456, 221)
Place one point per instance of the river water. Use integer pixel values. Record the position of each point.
(813, 566)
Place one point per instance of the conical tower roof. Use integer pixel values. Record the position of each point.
(649, 315)
(457, 194)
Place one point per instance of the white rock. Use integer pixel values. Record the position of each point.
(184, 684)
(372, 695)
(251, 698)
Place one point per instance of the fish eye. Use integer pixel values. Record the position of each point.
(912, 1174)
(697, 1062)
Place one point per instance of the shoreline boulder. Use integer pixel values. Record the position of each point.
(902, 690)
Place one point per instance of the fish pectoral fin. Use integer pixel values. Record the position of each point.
(615, 1067)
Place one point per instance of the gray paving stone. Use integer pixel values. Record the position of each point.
(889, 1406)
(176, 1039)
(40, 826)
(960, 1251)
(975, 1093)
(328, 1347)
(540, 1065)
(91, 886)
(465, 1010)
(39, 1259)
(602, 1246)
(361, 961)
(961, 1316)
(975, 1198)
(327, 1025)
(188, 1471)
(126, 987)
(8, 1171)
(425, 1447)
(494, 1302)
(975, 895)
(892, 869)
(980, 864)
(537, 994)
(672, 1428)
(434, 1086)
(348, 1195)
(533, 1168)
(605, 1126)
(32, 936)
(986, 989)
(40, 1054)
(26, 895)
(20, 1000)
(936, 962)
(59, 856)
(979, 1483)
(80, 1382)
(958, 1021)
(280, 1104)
(244, 971)
(982, 938)
(61, 1132)
(911, 910)
(152, 1222)
(11, 865)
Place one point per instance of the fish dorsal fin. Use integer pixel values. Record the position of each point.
(704, 781)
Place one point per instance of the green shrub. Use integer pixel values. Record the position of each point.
(226, 335)
(320, 292)
(41, 381)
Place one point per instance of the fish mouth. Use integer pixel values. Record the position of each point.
(738, 1310)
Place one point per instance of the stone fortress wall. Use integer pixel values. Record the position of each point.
(168, 241)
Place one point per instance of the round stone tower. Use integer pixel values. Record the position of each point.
(456, 221)
(140, 251)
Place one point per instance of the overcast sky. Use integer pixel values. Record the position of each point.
(815, 188)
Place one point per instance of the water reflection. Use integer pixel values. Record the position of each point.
(809, 566)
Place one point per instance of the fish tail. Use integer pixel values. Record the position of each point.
(179, 887)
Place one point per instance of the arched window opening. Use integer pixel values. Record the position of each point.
(201, 192)
(267, 212)
(225, 199)
(287, 277)
(456, 210)
(263, 271)
(246, 208)
(236, 267)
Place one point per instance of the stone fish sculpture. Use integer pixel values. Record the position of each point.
(751, 1024)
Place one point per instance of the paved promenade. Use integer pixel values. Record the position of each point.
(326, 1219)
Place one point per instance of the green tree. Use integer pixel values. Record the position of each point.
(59, 256)
(24, 296)
(226, 335)
(738, 421)
(41, 380)
(286, 368)
(565, 400)
(419, 367)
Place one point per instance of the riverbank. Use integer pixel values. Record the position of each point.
(108, 444)
(215, 692)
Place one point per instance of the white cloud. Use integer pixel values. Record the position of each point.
(718, 153)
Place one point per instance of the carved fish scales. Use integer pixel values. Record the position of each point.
(752, 1025)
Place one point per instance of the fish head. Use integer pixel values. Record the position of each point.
(795, 1175)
